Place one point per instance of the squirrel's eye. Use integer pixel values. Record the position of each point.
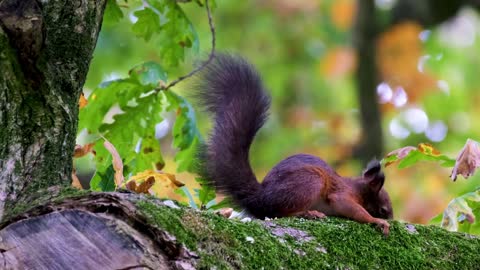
(383, 211)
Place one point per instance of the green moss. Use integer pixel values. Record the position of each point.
(329, 243)
(40, 197)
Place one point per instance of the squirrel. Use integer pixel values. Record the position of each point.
(304, 185)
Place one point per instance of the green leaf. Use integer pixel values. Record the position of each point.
(462, 210)
(185, 128)
(410, 155)
(173, 31)
(412, 158)
(227, 202)
(134, 123)
(186, 136)
(148, 74)
(149, 157)
(148, 23)
(416, 156)
(103, 98)
(113, 13)
(139, 109)
(389, 159)
(205, 194)
(139, 119)
(185, 158)
(143, 79)
(125, 132)
(99, 103)
(103, 181)
(186, 193)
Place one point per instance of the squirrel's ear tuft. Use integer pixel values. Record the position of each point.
(372, 169)
(374, 176)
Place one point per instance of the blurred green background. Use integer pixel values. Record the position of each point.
(426, 83)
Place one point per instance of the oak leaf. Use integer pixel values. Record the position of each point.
(398, 154)
(149, 178)
(116, 162)
(75, 181)
(81, 151)
(144, 187)
(410, 155)
(82, 102)
(460, 210)
(468, 160)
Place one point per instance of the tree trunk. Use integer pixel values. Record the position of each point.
(45, 52)
(366, 78)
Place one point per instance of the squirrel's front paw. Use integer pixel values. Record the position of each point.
(383, 225)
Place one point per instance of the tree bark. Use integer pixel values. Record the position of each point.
(366, 79)
(45, 52)
(428, 13)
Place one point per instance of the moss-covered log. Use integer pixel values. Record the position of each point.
(45, 52)
(121, 230)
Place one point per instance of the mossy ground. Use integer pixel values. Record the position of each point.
(294, 243)
(331, 243)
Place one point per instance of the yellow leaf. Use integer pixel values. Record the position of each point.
(149, 178)
(83, 101)
(159, 176)
(116, 162)
(428, 149)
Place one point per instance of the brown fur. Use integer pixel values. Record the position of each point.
(231, 90)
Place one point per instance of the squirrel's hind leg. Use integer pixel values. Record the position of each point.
(311, 214)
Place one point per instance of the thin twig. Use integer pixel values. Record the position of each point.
(204, 64)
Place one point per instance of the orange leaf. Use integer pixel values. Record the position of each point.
(467, 161)
(342, 13)
(75, 181)
(131, 185)
(428, 149)
(399, 51)
(82, 102)
(81, 151)
(146, 185)
(338, 62)
(116, 162)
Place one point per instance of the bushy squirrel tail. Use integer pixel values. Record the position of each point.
(231, 90)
